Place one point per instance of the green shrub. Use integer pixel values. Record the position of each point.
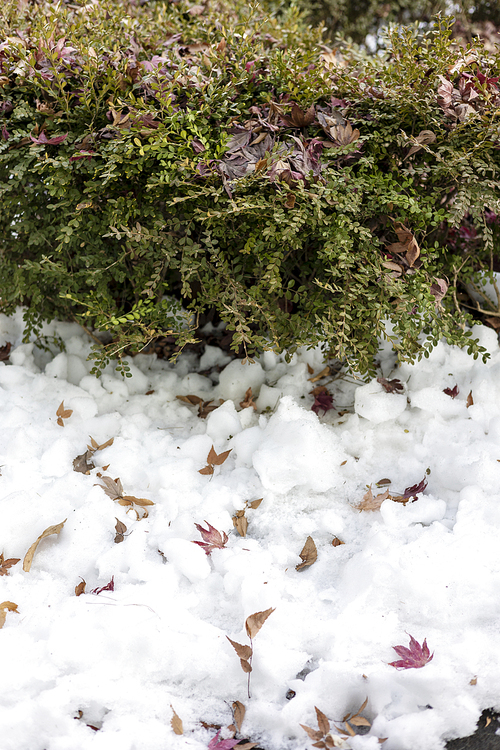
(161, 153)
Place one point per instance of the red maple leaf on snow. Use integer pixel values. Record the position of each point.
(415, 657)
(217, 744)
(212, 539)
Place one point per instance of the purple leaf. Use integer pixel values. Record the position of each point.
(212, 539)
(108, 587)
(5, 133)
(42, 140)
(323, 401)
(216, 744)
(415, 657)
(415, 489)
(453, 392)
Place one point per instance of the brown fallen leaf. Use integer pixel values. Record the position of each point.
(423, 139)
(176, 722)
(372, 503)
(240, 522)
(254, 622)
(320, 375)
(120, 529)
(28, 558)
(4, 608)
(83, 464)
(112, 487)
(336, 542)
(62, 413)
(214, 459)
(6, 564)
(243, 651)
(80, 588)
(248, 400)
(308, 555)
(255, 503)
(5, 351)
(470, 400)
(473, 681)
(239, 711)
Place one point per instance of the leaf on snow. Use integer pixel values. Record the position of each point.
(62, 413)
(308, 555)
(212, 539)
(239, 711)
(243, 651)
(176, 722)
(391, 386)
(112, 487)
(80, 588)
(323, 400)
(336, 542)
(255, 503)
(323, 374)
(120, 529)
(372, 503)
(254, 622)
(110, 586)
(313, 733)
(323, 723)
(6, 564)
(28, 558)
(217, 744)
(411, 492)
(248, 400)
(140, 501)
(82, 463)
(217, 459)
(453, 392)
(470, 400)
(240, 522)
(415, 657)
(4, 608)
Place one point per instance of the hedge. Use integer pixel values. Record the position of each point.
(162, 160)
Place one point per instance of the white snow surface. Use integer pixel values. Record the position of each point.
(123, 660)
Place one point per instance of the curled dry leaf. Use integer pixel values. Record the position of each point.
(176, 722)
(336, 542)
(83, 464)
(4, 608)
(80, 588)
(323, 374)
(424, 138)
(470, 400)
(28, 558)
(308, 555)
(248, 400)
(254, 622)
(6, 564)
(453, 392)
(62, 413)
(255, 503)
(240, 522)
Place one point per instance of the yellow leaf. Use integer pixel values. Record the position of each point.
(28, 558)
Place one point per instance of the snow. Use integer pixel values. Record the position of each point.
(123, 660)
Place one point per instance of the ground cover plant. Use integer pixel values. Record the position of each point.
(161, 157)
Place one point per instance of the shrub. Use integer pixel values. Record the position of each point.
(165, 153)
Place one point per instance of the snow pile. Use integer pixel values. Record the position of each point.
(108, 669)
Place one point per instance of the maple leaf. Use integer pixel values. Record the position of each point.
(410, 492)
(323, 400)
(453, 392)
(6, 564)
(217, 744)
(212, 539)
(415, 657)
(372, 503)
(391, 386)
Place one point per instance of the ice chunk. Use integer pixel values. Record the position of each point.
(237, 377)
(188, 558)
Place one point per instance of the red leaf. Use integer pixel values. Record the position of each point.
(323, 401)
(217, 744)
(415, 657)
(212, 539)
(453, 392)
(108, 587)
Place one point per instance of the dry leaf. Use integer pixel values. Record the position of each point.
(255, 503)
(192, 400)
(94, 445)
(372, 503)
(470, 400)
(112, 487)
(423, 139)
(336, 542)
(254, 622)
(212, 538)
(313, 733)
(487, 722)
(473, 681)
(240, 523)
(206, 470)
(415, 657)
(28, 558)
(290, 201)
(80, 588)
(310, 369)
(4, 608)
(140, 501)
(238, 714)
(248, 400)
(83, 464)
(120, 529)
(383, 482)
(62, 413)
(176, 722)
(244, 652)
(6, 564)
(320, 375)
(246, 666)
(323, 723)
(308, 555)
(217, 459)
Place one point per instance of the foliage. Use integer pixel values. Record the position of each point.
(161, 160)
